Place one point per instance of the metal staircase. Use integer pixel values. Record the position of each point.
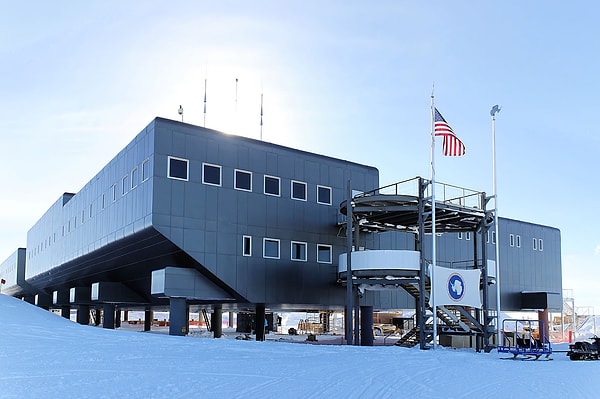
(206, 319)
(408, 206)
(451, 319)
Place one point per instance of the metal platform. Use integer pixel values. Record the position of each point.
(397, 207)
(407, 206)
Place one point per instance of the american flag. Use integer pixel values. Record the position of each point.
(451, 146)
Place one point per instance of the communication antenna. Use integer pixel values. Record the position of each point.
(236, 93)
(261, 115)
(204, 102)
(180, 111)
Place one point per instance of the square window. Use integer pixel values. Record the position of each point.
(271, 248)
(211, 174)
(272, 185)
(298, 190)
(324, 195)
(178, 168)
(299, 251)
(146, 170)
(243, 180)
(247, 246)
(324, 253)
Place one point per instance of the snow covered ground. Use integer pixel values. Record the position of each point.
(45, 356)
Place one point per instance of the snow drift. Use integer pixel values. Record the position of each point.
(44, 355)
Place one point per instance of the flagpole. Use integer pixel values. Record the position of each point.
(433, 235)
(493, 113)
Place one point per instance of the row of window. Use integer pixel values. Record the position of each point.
(128, 182)
(271, 249)
(514, 240)
(178, 168)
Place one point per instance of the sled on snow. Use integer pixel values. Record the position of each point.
(524, 339)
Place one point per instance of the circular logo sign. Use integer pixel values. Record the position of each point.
(456, 287)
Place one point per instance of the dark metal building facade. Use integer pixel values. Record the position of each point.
(258, 223)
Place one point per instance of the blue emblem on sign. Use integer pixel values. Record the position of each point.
(456, 287)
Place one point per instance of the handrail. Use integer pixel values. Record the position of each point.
(447, 193)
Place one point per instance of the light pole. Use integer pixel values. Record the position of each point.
(180, 111)
(495, 109)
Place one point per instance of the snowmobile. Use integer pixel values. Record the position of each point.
(584, 350)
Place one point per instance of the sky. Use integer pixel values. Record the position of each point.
(44, 355)
(348, 79)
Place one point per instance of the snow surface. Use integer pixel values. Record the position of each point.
(45, 356)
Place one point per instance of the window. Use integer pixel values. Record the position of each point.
(487, 236)
(272, 185)
(146, 170)
(114, 192)
(541, 244)
(324, 195)
(271, 248)
(299, 251)
(493, 237)
(247, 246)
(324, 253)
(178, 168)
(518, 241)
(124, 184)
(242, 180)
(134, 177)
(460, 236)
(468, 235)
(103, 201)
(211, 174)
(511, 240)
(298, 190)
(535, 244)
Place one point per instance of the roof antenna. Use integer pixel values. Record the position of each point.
(204, 102)
(261, 115)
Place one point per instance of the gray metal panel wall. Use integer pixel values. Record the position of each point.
(12, 270)
(209, 222)
(521, 267)
(78, 224)
(525, 268)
